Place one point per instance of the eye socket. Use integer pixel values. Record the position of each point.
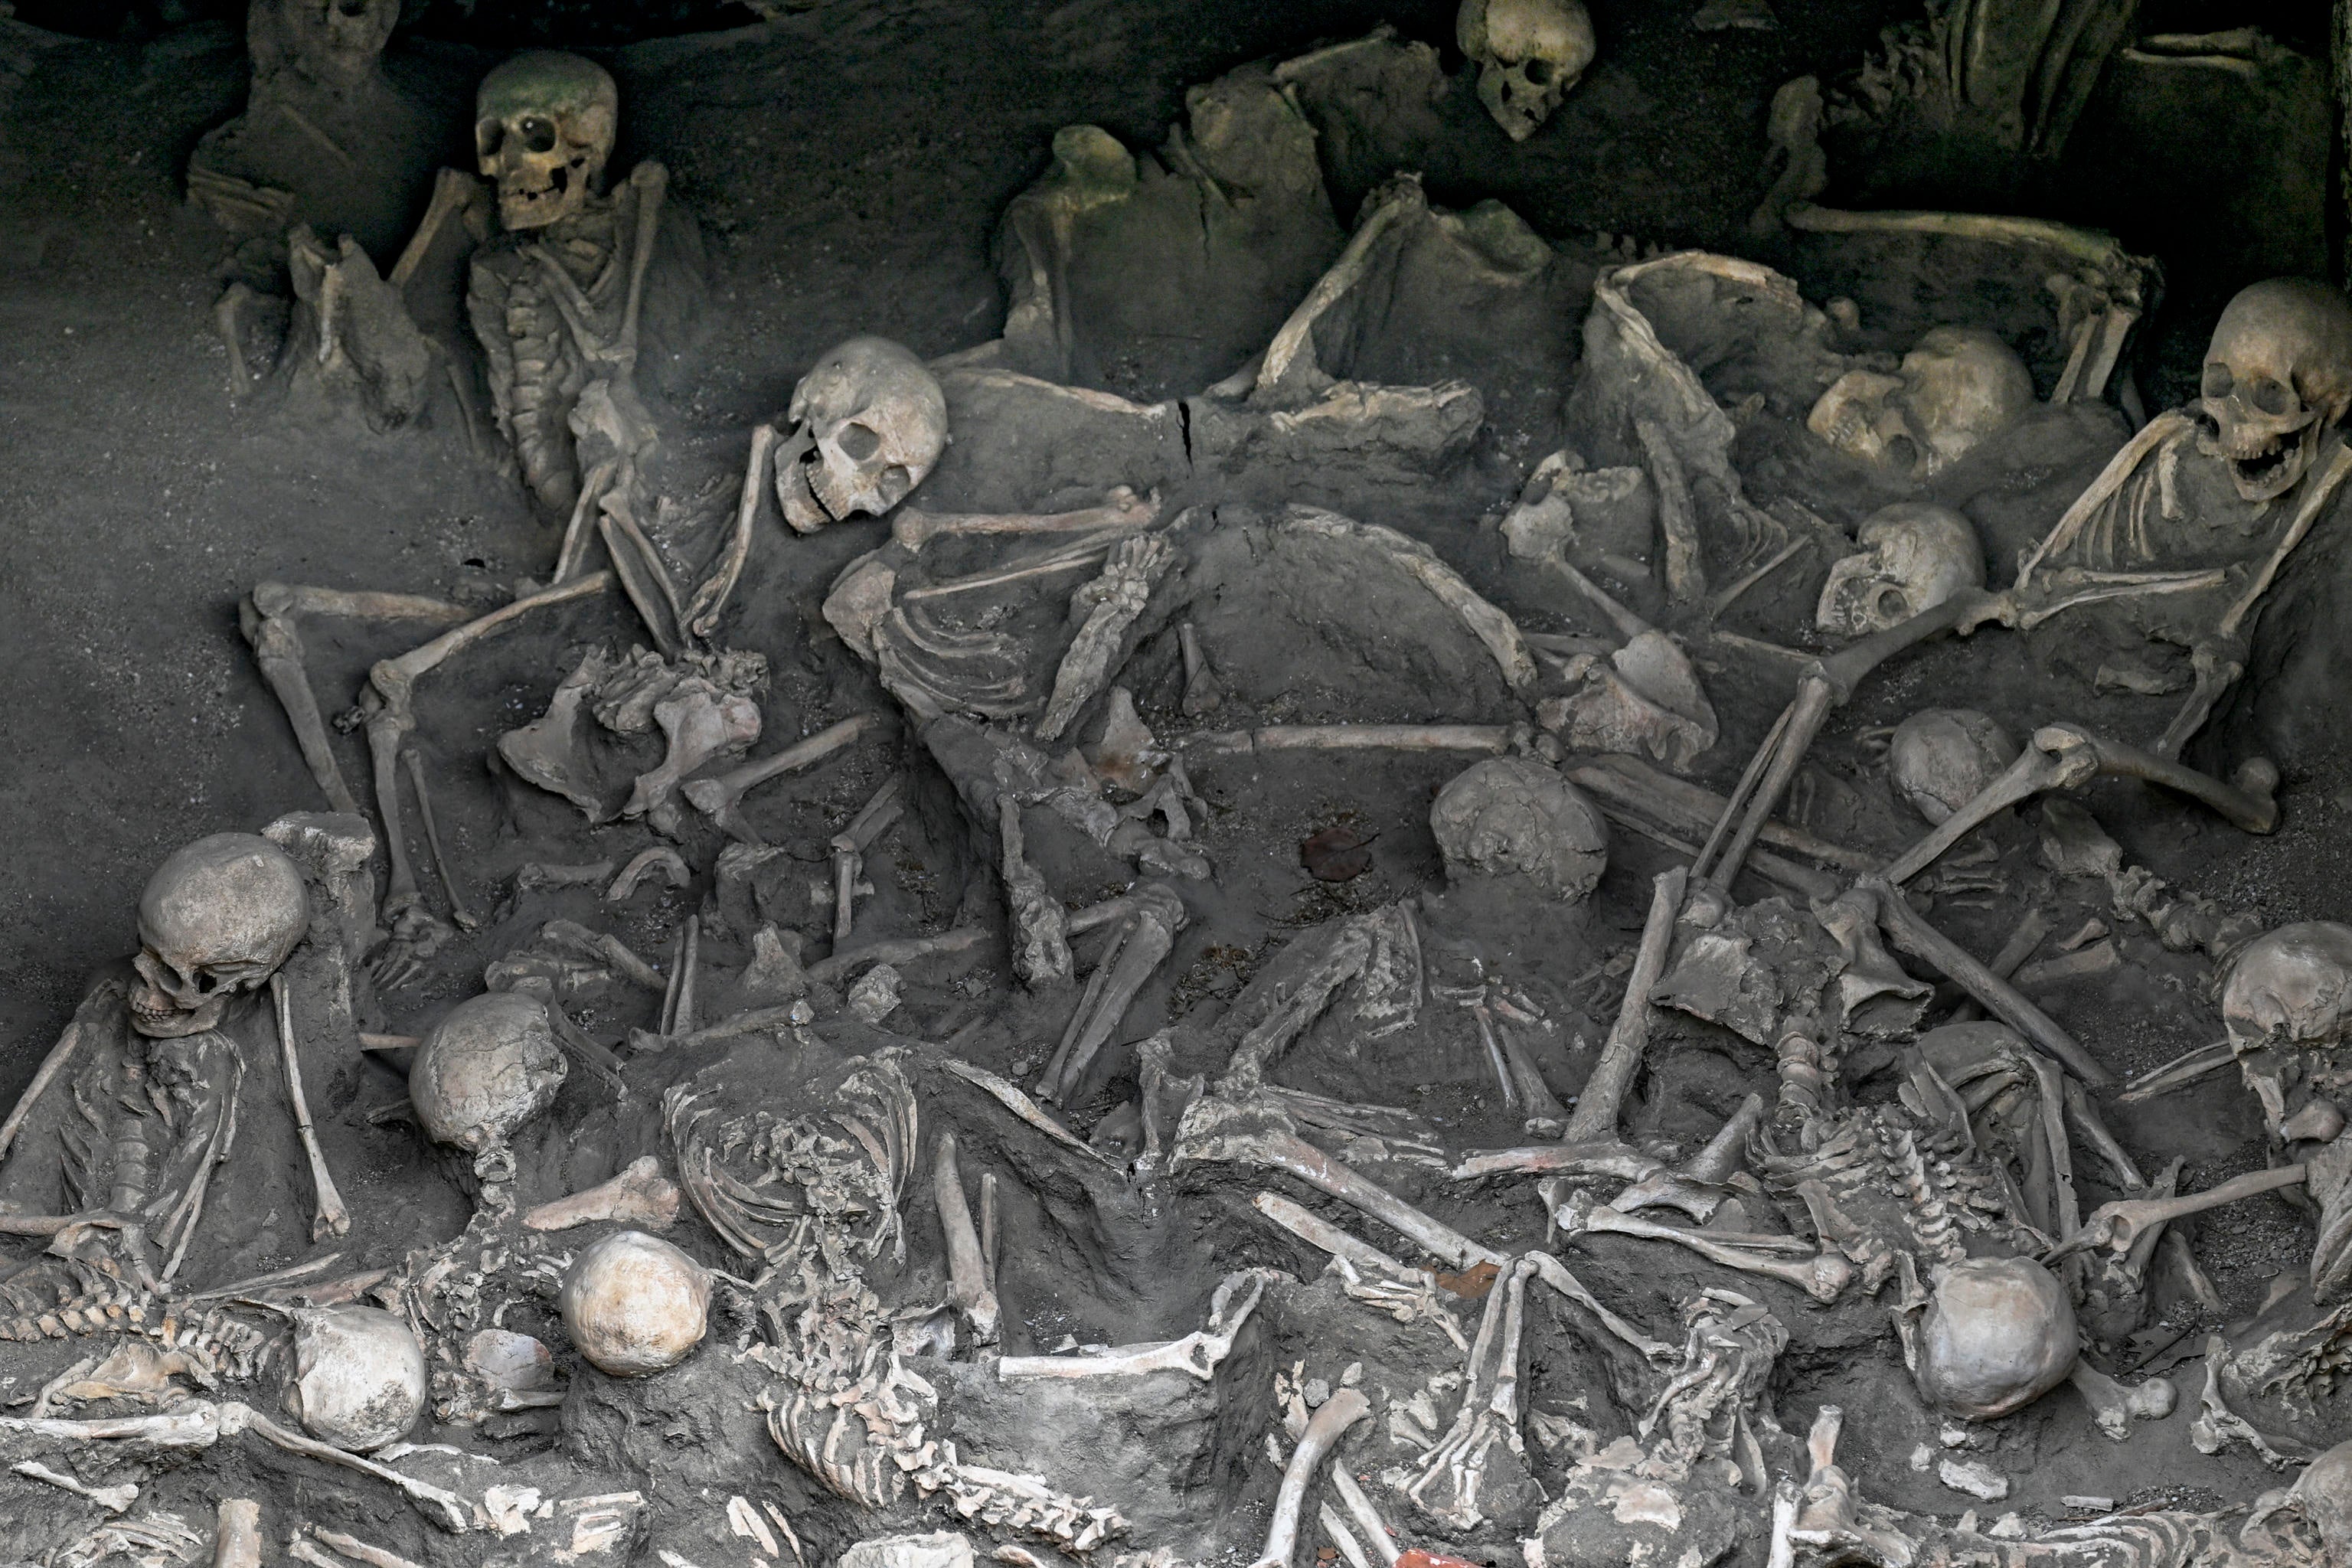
(538, 134)
(2270, 397)
(1903, 452)
(488, 136)
(859, 441)
(1538, 71)
(2217, 381)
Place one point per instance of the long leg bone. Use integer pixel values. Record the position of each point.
(1826, 683)
(1491, 739)
(1198, 1353)
(1821, 1275)
(1916, 937)
(332, 1219)
(269, 619)
(465, 917)
(1154, 915)
(1341, 1411)
(973, 1299)
(1219, 1131)
(1595, 1117)
(394, 683)
(720, 799)
(849, 847)
(640, 1196)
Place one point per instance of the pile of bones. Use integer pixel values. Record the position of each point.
(1342, 966)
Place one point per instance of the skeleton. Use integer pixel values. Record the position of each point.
(556, 299)
(1530, 55)
(1828, 1522)
(2194, 547)
(116, 1143)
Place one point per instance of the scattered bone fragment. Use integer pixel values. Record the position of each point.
(236, 1535)
(640, 1198)
(1977, 1480)
(114, 1498)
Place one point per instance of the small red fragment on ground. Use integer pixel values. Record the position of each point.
(1336, 854)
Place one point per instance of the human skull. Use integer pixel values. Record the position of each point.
(1957, 387)
(1942, 758)
(543, 126)
(1998, 1334)
(1529, 54)
(359, 1376)
(216, 919)
(2278, 376)
(2290, 986)
(2324, 1491)
(635, 1304)
(874, 422)
(1516, 817)
(485, 1069)
(1913, 557)
(334, 43)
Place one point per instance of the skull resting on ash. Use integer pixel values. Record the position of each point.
(1529, 54)
(485, 1069)
(872, 422)
(1998, 1334)
(1514, 817)
(1942, 758)
(543, 127)
(2291, 988)
(1913, 557)
(1957, 387)
(359, 1376)
(2278, 376)
(635, 1304)
(215, 920)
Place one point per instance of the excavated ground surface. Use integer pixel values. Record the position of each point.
(849, 173)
